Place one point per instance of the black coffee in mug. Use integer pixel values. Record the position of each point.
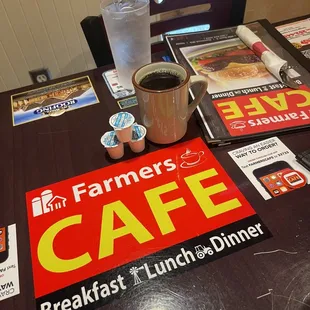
(161, 80)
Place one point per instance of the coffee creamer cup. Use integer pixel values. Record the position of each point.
(114, 147)
(137, 143)
(122, 124)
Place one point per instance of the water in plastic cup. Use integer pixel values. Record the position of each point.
(128, 28)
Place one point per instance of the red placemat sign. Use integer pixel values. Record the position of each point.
(90, 225)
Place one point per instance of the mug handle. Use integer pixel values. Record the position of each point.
(197, 79)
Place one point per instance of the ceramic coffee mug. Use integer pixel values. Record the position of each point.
(165, 113)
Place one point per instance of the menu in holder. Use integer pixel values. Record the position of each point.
(245, 101)
(297, 32)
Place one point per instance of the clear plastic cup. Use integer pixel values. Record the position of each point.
(114, 147)
(137, 143)
(128, 29)
(122, 124)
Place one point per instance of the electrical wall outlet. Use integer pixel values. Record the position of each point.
(40, 75)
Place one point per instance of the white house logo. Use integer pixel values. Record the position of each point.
(47, 203)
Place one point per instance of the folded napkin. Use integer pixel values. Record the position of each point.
(274, 64)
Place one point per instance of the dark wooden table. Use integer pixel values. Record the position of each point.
(50, 150)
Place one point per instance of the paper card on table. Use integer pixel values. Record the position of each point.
(9, 275)
(53, 100)
(127, 102)
(298, 33)
(271, 167)
(115, 88)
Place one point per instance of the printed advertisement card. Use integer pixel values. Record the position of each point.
(271, 167)
(298, 33)
(9, 276)
(53, 100)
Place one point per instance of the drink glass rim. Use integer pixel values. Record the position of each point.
(137, 85)
(147, 2)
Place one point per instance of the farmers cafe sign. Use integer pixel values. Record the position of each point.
(265, 108)
(92, 236)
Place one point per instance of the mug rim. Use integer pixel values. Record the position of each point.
(186, 80)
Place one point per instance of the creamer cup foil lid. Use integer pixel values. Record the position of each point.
(121, 120)
(109, 139)
(138, 132)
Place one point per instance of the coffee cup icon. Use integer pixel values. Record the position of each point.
(191, 158)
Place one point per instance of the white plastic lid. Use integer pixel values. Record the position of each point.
(138, 132)
(109, 139)
(121, 120)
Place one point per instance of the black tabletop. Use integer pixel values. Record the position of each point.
(259, 277)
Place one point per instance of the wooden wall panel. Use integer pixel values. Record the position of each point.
(52, 23)
(43, 33)
(276, 10)
(7, 73)
(79, 11)
(23, 34)
(12, 49)
(71, 37)
(2, 85)
(93, 7)
(40, 36)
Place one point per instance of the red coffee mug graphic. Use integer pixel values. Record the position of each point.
(192, 158)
